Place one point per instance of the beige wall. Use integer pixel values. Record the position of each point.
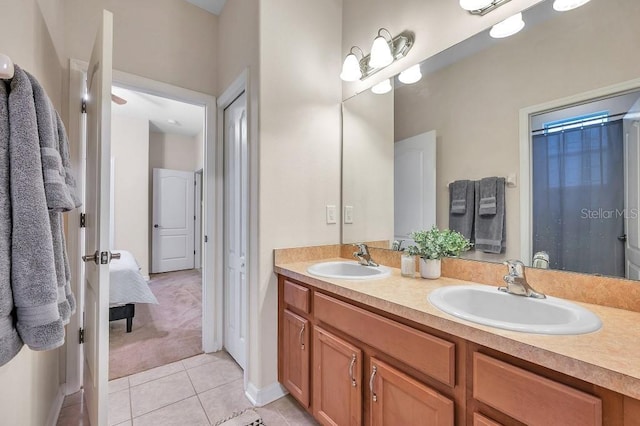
(367, 182)
(437, 25)
(299, 142)
(166, 40)
(474, 104)
(175, 152)
(130, 149)
(29, 383)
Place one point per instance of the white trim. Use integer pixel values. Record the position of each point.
(264, 396)
(525, 150)
(56, 407)
(239, 85)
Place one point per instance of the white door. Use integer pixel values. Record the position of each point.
(235, 228)
(97, 210)
(414, 189)
(632, 198)
(173, 220)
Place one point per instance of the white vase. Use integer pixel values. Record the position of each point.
(430, 268)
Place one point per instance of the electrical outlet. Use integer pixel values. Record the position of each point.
(348, 214)
(332, 214)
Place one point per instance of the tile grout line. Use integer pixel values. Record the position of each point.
(130, 401)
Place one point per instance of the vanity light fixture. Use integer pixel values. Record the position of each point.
(565, 5)
(383, 53)
(383, 87)
(508, 27)
(410, 75)
(481, 7)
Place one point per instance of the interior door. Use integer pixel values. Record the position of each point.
(97, 210)
(632, 198)
(173, 220)
(414, 189)
(235, 228)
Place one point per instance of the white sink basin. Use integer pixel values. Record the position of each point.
(489, 306)
(346, 270)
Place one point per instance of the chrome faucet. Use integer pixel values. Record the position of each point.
(363, 256)
(517, 281)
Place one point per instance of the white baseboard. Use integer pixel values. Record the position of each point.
(147, 278)
(262, 397)
(56, 406)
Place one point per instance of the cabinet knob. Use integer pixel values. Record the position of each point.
(371, 380)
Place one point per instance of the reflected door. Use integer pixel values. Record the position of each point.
(632, 199)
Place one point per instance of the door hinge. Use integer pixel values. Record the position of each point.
(81, 335)
(206, 239)
(83, 107)
(194, 252)
(83, 220)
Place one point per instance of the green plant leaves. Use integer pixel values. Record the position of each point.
(436, 243)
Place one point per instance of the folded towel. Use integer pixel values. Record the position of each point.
(490, 236)
(33, 273)
(463, 223)
(10, 343)
(458, 196)
(487, 196)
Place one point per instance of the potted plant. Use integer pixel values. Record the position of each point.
(433, 245)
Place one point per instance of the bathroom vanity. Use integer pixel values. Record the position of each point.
(376, 352)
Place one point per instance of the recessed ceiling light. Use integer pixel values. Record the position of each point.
(508, 27)
(564, 5)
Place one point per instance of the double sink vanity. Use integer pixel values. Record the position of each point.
(361, 345)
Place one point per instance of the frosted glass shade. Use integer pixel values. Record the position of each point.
(351, 68)
(564, 5)
(410, 75)
(474, 4)
(381, 88)
(508, 27)
(380, 53)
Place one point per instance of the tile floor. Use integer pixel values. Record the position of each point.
(201, 390)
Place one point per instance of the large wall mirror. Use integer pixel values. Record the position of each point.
(575, 75)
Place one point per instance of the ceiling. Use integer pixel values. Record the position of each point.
(213, 6)
(189, 119)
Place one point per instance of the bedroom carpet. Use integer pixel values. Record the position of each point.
(163, 333)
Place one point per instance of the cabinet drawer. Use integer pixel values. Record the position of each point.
(480, 420)
(431, 355)
(530, 398)
(297, 296)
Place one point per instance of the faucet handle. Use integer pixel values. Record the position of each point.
(362, 248)
(516, 267)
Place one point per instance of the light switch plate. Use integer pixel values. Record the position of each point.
(348, 214)
(331, 214)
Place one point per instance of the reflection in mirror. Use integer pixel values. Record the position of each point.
(472, 96)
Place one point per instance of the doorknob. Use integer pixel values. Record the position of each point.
(95, 257)
(103, 258)
(156, 226)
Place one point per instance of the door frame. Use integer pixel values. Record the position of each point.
(526, 225)
(212, 228)
(235, 89)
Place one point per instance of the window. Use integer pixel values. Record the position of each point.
(576, 122)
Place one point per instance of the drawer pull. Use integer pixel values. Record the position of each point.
(371, 380)
(353, 362)
(301, 337)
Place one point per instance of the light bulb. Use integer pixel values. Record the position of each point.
(474, 4)
(410, 75)
(508, 27)
(564, 5)
(351, 68)
(380, 53)
(383, 87)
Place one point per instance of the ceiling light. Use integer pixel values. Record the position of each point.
(380, 51)
(410, 75)
(508, 27)
(351, 67)
(474, 4)
(564, 5)
(383, 87)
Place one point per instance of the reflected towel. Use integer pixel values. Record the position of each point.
(490, 236)
(10, 343)
(487, 196)
(33, 272)
(463, 223)
(458, 196)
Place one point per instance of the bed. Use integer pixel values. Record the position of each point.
(127, 287)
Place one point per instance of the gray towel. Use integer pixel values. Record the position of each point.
(10, 343)
(463, 223)
(490, 236)
(33, 273)
(458, 196)
(63, 148)
(487, 196)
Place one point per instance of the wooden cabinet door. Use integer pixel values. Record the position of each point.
(398, 399)
(295, 356)
(337, 380)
